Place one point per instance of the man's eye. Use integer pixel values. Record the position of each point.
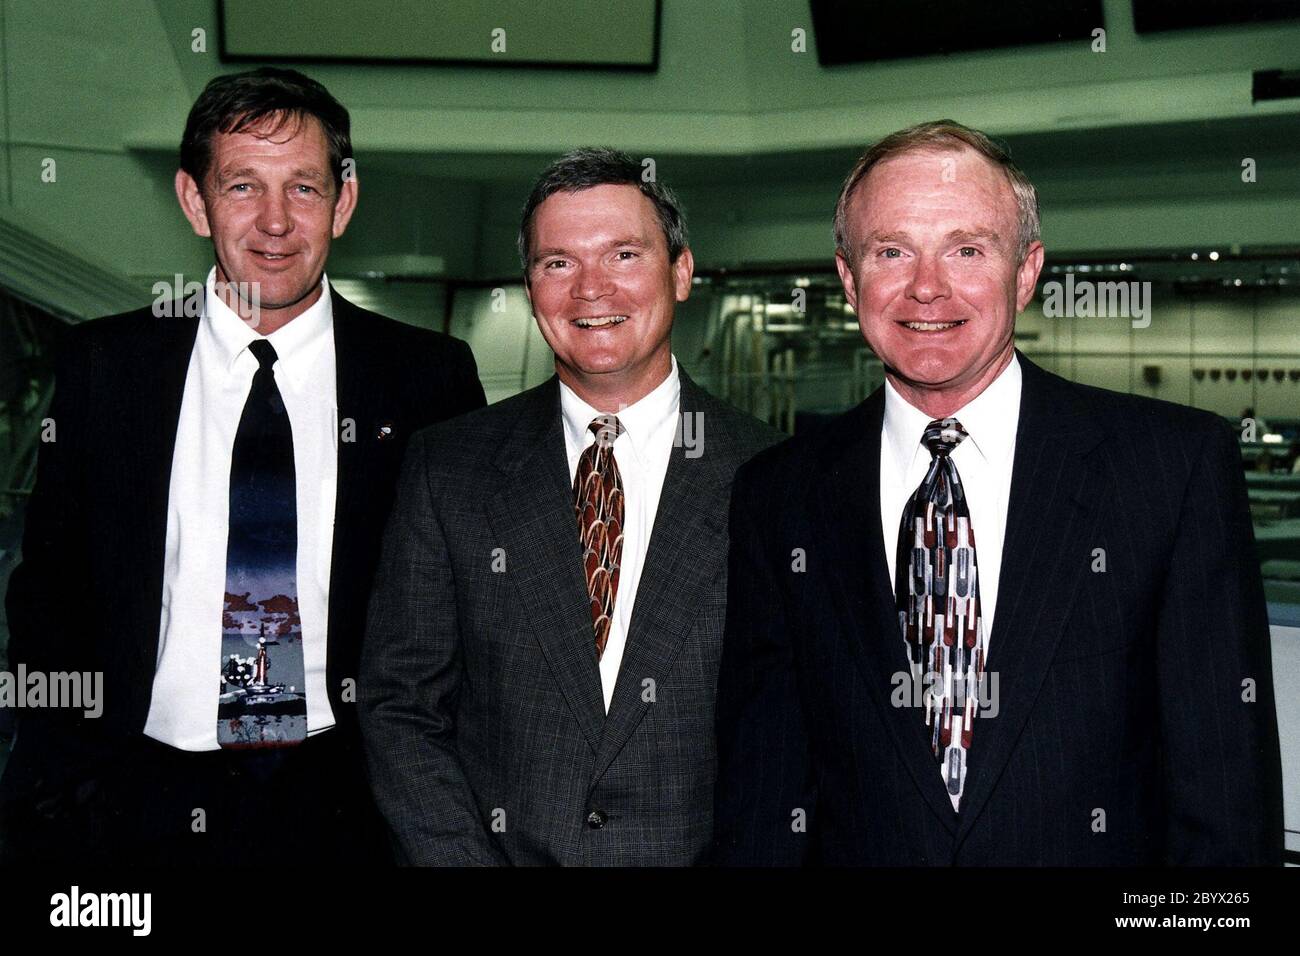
(891, 253)
(968, 252)
(627, 253)
(554, 263)
(306, 188)
(240, 187)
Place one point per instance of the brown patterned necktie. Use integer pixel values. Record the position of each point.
(937, 590)
(598, 503)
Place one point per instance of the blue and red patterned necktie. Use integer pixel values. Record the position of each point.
(262, 699)
(937, 595)
(598, 503)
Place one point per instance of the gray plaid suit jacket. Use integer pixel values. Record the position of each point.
(479, 695)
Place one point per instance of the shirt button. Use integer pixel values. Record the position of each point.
(596, 819)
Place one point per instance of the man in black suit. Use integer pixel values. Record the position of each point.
(539, 669)
(205, 525)
(871, 712)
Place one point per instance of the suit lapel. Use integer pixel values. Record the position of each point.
(1045, 554)
(531, 515)
(687, 549)
(846, 519)
(153, 410)
(360, 394)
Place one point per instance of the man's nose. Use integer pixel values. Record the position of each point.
(592, 283)
(928, 280)
(273, 216)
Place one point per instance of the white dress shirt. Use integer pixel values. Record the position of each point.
(983, 460)
(183, 709)
(642, 451)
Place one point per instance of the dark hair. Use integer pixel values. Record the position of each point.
(242, 101)
(589, 166)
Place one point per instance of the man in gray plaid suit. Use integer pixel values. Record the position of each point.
(542, 643)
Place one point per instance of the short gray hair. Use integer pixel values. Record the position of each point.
(942, 135)
(590, 166)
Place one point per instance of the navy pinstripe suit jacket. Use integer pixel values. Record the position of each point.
(1127, 732)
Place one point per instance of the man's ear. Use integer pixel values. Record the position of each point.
(846, 279)
(683, 272)
(345, 204)
(190, 197)
(1027, 276)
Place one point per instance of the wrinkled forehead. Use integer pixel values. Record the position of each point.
(280, 134)
(595, 213)
(938, 176)
(280, 126)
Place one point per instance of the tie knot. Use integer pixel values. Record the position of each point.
(606, 428)
(942, 436)
(264, 352)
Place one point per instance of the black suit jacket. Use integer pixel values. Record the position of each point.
(481, 704)
(1122, 736)
(87, 595)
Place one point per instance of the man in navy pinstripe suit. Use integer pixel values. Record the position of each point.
(989, 616)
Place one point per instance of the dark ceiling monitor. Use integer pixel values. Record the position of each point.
(867, 32)
(1155, 16)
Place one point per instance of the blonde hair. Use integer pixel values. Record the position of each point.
(944, 135)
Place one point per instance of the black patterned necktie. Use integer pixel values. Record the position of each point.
(937, 595)
(262, 699)
(598, 503)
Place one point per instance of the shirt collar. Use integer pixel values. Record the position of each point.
(640, 421)
(297, 342)
(990, 419)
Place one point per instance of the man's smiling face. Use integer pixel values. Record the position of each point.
(603, 289)
(935, 276)
(271, 208)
